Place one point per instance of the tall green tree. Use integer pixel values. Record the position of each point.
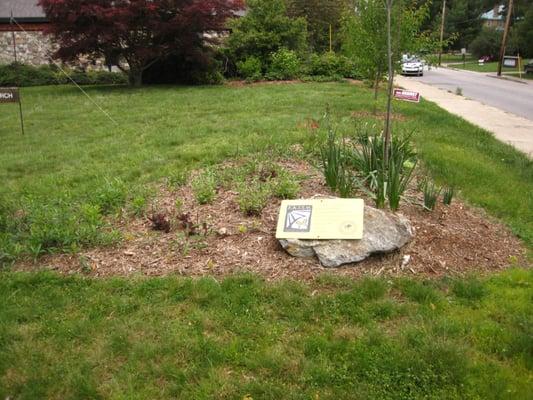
(364, 37)
(321, 15)
(265, 29)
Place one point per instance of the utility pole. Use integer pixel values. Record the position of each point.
(442, 29)
(505, 34)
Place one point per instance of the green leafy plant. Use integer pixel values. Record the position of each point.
(331, 156)
(253, 197)
(285, 186)
(284, 65)
(204, 187)
(431, 195)
(250, 68)
(447, 195)
(178, 178)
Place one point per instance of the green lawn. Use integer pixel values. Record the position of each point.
(455, 58)
(74, 166)
(486, 67)
(242, 338)
(72, 338)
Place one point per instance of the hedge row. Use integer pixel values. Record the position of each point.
(17, 74)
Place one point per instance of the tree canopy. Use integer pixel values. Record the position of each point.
(135, 32)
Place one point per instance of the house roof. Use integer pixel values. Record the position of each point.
(23, 11)
(490, 14)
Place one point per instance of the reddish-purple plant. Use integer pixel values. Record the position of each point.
(137, 32)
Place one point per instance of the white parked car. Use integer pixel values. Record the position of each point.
(413, 67)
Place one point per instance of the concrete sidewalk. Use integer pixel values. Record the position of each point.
(507, 127)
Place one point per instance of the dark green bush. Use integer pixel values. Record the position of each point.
(17, 74)
(250, 68)
(331, 65)
(285, 65)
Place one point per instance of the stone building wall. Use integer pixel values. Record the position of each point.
(33, 47)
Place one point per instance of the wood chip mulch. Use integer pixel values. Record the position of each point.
(452, 240)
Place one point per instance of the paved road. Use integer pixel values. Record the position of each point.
(506, 126)
(510, 96)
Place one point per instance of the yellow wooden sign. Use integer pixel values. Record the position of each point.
(321, 219)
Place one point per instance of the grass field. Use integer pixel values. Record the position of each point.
(71, 337)
(75, 338)
(74, 167)
(486, 67)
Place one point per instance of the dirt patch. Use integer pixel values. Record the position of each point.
(453, 239)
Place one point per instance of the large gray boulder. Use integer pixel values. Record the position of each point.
(383, 232)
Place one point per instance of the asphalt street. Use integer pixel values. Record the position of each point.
(507, 95)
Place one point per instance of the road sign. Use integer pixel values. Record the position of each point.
(407, 95)
(321, 219)
(12, 95)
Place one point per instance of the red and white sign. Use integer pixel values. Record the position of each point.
(407, 95)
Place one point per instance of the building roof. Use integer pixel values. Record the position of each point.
(491, 15)
(23, 11)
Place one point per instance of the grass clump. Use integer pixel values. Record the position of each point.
(253, 197)
(204, 187)
(285, 186)
(447, 195)
(431, 194)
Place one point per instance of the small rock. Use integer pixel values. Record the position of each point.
(222, 232)
(383, 232)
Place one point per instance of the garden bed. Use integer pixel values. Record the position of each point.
(455, 239)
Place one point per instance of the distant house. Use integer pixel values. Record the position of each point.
(494, 18)
(22, 36)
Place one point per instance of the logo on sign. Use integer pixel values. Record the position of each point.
(298, 218)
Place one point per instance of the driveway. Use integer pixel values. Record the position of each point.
(500, 106)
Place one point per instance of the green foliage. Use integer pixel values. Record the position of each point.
(447, 195)
(320, 15)
(204, 187)
(522, 33)
(431, 194)
(364, 38)
(253, 197)
(386, 180)
(332, 158)
(250, 68)
(284, 65)
(285, 186)
(264, 30)
(17, 74)
(487, 43)
(332, 65)
(178, 178)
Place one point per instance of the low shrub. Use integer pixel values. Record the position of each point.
(17, 74)
(250, 69)
(253, 197)
(285, 186)
(204, 187)
(331, 65)
(284, 65)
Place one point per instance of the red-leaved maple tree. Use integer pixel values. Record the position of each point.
(134, 34)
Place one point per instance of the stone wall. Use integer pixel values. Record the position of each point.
(32, 47)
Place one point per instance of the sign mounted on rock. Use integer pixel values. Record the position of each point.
(321, 219)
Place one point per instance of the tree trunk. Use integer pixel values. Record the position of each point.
(376, 91)
(387, 131)
(135, 78)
